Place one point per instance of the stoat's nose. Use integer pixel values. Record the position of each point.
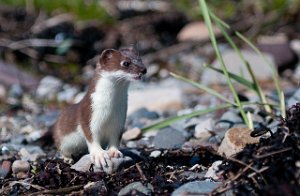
(144, 70)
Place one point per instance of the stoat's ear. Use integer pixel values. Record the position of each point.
(106, 55)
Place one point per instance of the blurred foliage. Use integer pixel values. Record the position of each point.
(82, 9)
(228, 9)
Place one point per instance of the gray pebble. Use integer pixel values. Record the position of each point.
(138, 187)
(169, 138)
(196, 188)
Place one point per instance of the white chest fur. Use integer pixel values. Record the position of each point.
(109, 107)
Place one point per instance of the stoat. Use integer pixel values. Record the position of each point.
(96, 123)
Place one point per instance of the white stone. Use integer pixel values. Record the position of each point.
(212, 171)
(235, 65)
(48, 87)
(155, 153)
(195, 31)
(157, 99)
(67, 94)
(131, 134)
(204, 128)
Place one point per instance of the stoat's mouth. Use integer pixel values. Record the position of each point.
(137, 76)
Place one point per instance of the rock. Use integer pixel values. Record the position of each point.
(95, 188)
(19, 167)
(48, 118)
(229, 119)
(295, 45)
(294, 99)
(297, 73)
(11, 74)
(84, 164)
(48, 88)
(204, 128)
(32, 153)
(15, 91)
(196, 143)
(136, 188)
(5, 169)
(284, 57)
(212, 171)
(2, 92)
(168, 138)
(235, 140)
(155, 153)
(143, 113)
(196, 188)
(131, 134)
(156, 99)
(195, 31)
(131, 144)
(235, 65)
(18, 139)
(68, 94)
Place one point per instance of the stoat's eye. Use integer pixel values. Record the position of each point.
(125, 63)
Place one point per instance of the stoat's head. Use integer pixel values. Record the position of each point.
(121, 64)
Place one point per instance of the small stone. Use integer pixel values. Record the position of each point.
(5, 169)
(137, 188)
(196, 188)
(285, 58)
(155, 153)
(144, 113)
(48, 88)
(131, 134)
(195, 31)
(67, 94)
(131, 144)
(31, 153)
(229, 119)
(169, 138)
(48, 119)
(294, 99)
(204, 128)
(235, 140)
(20, 166)
(212, 171)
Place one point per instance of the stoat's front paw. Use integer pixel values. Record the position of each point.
(101, 159)
(114, 152)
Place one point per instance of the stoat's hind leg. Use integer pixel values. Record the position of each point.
(73, 145)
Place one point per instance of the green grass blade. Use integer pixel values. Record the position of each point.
(202, 87)
(208, 23)
(169, 121)
(257, 89)
(282, 105)
(239, 79)
(248, 42)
